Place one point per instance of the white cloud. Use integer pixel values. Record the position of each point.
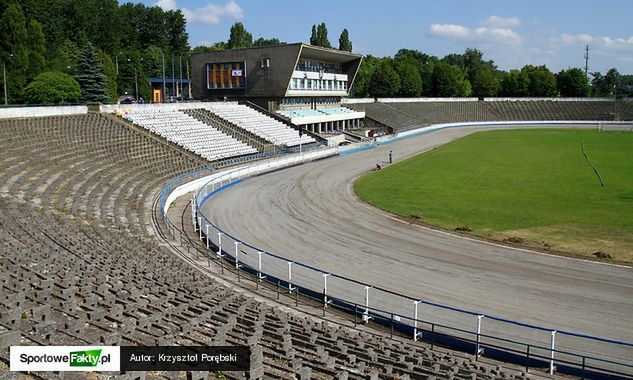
(479, 34)
(449, 31)
(166, 5)
(498, 34)
(209, 14)
(501, 22)
(595, 42)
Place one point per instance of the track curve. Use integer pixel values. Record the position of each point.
(309, 213)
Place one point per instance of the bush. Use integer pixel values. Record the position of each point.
(52, 87)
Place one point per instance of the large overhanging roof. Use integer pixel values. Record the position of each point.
(327, 55)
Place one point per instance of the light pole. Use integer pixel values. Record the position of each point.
(4, 80)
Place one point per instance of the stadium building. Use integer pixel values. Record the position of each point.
(301, 83)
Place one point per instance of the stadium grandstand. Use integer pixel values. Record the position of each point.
(94, 254)
(301, 83)
(79, 266)
(394, 114)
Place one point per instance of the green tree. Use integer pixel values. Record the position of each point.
(319, 36)
(14, 50)
(91, 77)
(448, 81)
(605, 85)
(218, 46)
(360, 87)
(515, 84)
(541, 81)
(410, 80)
(343, 42)
(52, 87)
(261, 41)
(109, 69)
(573, 82)
(65, 58)
(36, 48)
(485, 83)
(239, 37)
(384, 82)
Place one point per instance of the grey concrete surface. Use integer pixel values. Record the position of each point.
(310, 214)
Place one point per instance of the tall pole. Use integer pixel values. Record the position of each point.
(180, 83)
(164, 87)
(136, 83)
(586, 59)
(173, 75)
(188, 79)
(4, 81)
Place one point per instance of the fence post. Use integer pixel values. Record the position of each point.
(219, 245)
(200, 227)
(366, 313)
(259, 266)
(553, 347)
(237, 256)
(479, 351)
(193, 212)
(415, 320)
(207, 238)
(325, 275)
(527, 359)
(290, 276)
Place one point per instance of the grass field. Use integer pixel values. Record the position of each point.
(529, 187)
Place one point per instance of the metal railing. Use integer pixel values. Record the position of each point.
(513, 341)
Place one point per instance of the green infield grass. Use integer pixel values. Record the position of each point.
(532, 188)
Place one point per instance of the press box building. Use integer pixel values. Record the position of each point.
(299, 82)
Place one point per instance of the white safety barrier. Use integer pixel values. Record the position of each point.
(15, 112)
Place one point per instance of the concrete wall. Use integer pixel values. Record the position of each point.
(15, 112)
(418, 100)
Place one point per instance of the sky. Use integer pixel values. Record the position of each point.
(510, 32)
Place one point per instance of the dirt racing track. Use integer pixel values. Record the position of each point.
(309, 214)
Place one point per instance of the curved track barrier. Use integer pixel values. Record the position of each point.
(471, 331)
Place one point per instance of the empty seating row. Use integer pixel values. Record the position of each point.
(256, 122)
(190, 133)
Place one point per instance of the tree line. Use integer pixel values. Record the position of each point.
(411, 73)
(95, 50)
(53, 37)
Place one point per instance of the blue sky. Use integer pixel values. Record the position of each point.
(512, 33)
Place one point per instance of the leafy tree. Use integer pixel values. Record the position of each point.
(424, 64)
(109, 70)
(573, 82)
(319, 36)
(65, 58)
(360, 87)
(52, 87)
(448, 80)
(384, 82)
(541, 81)
(218, 46)
(410, 80)
(604, 85)
(36, 48)
(343, 42)
(261, 41)
(239, 37)
(515, 84)
(14, 49)
(485, 83)
(91, 77)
